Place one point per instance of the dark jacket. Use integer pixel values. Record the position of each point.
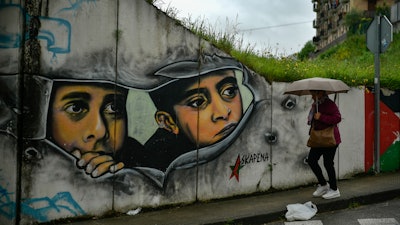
(330, 115)
(163, 147)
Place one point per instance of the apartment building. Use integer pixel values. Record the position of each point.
(330, 18)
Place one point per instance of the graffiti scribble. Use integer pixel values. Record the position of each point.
(40, 208)
(7, 207)
(62, 202)
(55, 31)
(75, 5)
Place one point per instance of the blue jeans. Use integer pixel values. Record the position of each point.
(328, 155)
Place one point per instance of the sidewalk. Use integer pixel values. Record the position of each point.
(267, 207)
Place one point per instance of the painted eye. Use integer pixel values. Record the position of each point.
(75, 108)
(114, 105)
(229, 91)
(289, 103)
(197, 102)
(110, 109)
(117, 110)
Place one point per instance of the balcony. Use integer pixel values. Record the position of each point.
(340, 16)
(315, 24)
(316, 7)
(316, 39)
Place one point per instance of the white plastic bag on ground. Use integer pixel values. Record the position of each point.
(299, 211)
(134, 211)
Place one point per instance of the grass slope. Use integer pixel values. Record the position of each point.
(350, 61)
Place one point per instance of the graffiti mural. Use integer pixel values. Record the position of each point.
(198, 112)
(88, 120)
(122, 127)
(199, 109)
(389, 131)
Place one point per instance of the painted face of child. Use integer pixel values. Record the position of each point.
(210, 109)
(88, 118)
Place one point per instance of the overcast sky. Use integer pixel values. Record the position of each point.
(280, 26)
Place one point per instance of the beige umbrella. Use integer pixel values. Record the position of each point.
(304, 86)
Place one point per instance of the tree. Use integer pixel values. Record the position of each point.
(308, 48)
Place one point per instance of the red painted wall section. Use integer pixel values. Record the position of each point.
(389, 128)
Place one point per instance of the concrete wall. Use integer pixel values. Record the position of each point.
(81, 83)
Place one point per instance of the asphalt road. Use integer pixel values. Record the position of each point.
(383, 213)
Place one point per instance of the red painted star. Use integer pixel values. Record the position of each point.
(235, 169)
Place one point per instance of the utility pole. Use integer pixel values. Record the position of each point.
(379, 36)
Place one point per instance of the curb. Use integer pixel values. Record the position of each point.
(335, 204)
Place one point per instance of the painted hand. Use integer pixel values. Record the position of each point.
(96, 164)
